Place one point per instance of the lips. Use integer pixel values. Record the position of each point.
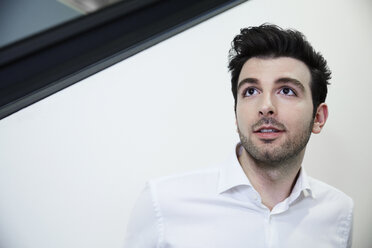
(268, 132)
(267, 129)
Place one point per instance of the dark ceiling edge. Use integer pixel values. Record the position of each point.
(68, 29)
(98, 66)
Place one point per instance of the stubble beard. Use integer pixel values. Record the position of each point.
(281, 154)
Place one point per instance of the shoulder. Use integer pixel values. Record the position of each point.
(338, 207)
(196, 178)
(187, 176)
(328, 194)
(196, 183)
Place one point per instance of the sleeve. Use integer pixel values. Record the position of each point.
(349, 227)
(143, 227)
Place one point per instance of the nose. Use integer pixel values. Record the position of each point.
(267, 107)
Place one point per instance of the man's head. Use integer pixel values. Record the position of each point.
(272, 41)
(279, 84)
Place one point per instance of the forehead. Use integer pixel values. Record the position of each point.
(270, 69)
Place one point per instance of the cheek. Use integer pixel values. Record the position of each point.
(245, 107)
(297, 116)
(244, 119)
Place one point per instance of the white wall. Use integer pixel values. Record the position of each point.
(72, 165)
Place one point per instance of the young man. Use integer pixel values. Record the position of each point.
(261, 197)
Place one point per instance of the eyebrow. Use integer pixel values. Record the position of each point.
(278, 81)
(291, 81)
(247, 81)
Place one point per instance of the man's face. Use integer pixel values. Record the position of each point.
(274, 108)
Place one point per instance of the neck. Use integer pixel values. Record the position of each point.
(274, 183)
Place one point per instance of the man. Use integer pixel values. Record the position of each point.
(261, 197)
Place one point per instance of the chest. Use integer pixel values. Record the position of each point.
(217, 224)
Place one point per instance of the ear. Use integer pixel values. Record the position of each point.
(321, 117)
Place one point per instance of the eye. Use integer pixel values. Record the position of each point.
(250, 92)
(287, 91)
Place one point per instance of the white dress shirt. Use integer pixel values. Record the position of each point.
(218, 207)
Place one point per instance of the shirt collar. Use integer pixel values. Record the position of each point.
(302, 185)
(232, 175)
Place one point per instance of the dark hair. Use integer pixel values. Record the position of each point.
(270, 40)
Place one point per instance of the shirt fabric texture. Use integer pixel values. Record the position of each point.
(219, 208)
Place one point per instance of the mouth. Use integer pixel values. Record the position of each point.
(268, 132)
